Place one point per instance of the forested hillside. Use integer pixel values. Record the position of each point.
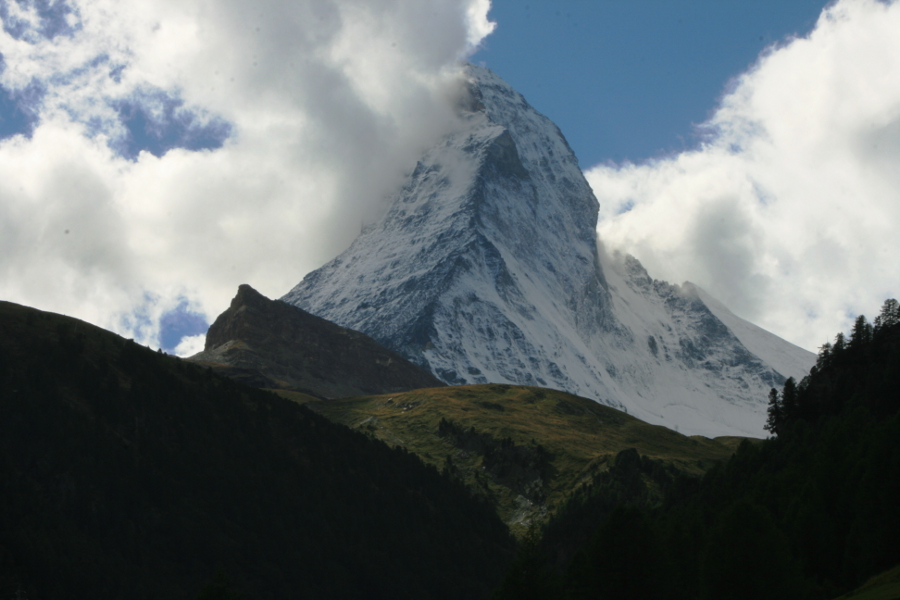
(810, 513)
(125, 473)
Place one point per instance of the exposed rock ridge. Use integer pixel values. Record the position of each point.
(268, 343)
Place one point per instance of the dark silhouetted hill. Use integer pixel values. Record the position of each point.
(126, 473)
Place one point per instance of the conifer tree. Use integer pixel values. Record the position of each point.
(890, 314)
(861, 333)
(776, 414)
(840, 344)
(790, 409)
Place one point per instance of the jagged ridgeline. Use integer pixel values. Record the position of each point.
(811, 513)
(125, 473)
(486, 268)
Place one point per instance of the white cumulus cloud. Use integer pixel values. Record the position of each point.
(190, 345)
(274, 129)
(789, 211)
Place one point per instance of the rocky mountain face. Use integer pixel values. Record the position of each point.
(269, 344)
(487, 268)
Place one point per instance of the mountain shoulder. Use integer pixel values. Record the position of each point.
(271, 344)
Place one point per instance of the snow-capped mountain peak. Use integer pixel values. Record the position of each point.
(486, 268)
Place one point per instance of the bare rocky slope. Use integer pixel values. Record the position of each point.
(269, 344)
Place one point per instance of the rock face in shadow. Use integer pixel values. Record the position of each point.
(270, 344)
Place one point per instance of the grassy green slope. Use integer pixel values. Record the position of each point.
(885, 586)
(581, 436)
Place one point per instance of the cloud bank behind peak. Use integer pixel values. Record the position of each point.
(789, 211)
(179, 149)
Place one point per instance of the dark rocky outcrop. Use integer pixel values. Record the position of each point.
(270, 344)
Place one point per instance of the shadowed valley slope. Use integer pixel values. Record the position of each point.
(126, 473)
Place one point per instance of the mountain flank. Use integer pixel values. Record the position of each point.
(525, 449)
(885, 586)
(810, 513)
(486, 268)
(126, 473)
(270, 344)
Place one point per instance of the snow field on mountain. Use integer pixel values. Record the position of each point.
(486, 268)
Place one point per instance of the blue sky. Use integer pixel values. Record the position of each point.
(630, 80)
(623, 80)
(156, 154)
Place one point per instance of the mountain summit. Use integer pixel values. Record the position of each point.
(487, 268)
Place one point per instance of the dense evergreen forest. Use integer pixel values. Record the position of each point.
(125, 473)
(811, 512)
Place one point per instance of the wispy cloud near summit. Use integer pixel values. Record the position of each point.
(178, 149)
